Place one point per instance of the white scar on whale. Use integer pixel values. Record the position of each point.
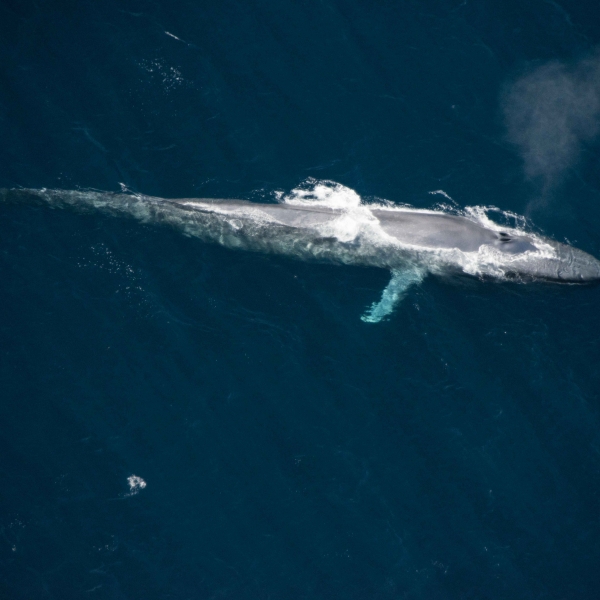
(328, 222)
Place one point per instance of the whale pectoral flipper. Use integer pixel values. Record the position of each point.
(394, 293)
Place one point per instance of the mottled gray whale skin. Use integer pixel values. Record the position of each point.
(427, 240)
(439, 231)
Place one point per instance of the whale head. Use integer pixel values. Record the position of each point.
(572, 265)
(564, 264)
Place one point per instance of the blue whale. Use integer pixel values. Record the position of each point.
(410, 243)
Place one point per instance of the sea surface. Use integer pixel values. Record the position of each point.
(182, 421)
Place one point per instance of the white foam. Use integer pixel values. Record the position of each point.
(136, 485)
(442, 193)
(323, 193)
(355, 218)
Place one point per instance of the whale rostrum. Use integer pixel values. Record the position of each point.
(410, 243)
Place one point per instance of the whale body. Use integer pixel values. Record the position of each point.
(410, 243)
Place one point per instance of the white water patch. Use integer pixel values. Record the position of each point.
(136, 485)
(169, 77)
(442, 193)
(314, 192)
(355, 218)
(480, 214)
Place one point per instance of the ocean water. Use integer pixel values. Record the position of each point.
(179, 420)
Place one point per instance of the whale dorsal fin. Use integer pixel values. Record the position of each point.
(394, 293)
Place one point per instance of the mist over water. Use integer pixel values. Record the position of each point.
(551, 112)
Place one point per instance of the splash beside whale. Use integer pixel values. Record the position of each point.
(410, 243)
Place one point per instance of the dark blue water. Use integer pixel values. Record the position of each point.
(288, 449)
